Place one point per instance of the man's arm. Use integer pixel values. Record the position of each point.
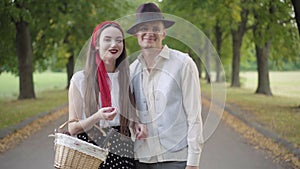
(192, 105)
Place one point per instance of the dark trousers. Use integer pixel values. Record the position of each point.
(162, 165)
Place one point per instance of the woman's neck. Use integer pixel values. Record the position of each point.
(110, 66)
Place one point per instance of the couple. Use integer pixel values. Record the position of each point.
(159, 108)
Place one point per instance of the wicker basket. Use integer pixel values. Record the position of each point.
(73, 153)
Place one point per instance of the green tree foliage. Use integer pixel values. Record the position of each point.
(76, 24)
(57, 30)
(296, 5)
(234, 19)
(36, 13)
(21, 21)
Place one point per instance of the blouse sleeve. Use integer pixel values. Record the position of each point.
(75, 102)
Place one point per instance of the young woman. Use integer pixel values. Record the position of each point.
(99, 95)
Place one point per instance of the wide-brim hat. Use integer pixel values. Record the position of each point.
(146, 13)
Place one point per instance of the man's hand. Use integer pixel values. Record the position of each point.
(141, 131)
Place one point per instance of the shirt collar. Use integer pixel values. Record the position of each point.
(164, 53)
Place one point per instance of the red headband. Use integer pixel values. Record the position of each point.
(98, 27)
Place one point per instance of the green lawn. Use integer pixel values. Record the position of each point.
(15, 111)
(281, 83)
(279, 113)
(9, 84)
(50, 94)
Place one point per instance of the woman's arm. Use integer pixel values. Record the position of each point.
(76, 112)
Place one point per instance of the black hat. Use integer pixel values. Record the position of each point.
(146, 13)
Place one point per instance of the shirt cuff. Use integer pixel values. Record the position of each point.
(193, 159)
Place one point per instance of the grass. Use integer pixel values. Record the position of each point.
(9, 86)
(279, 113)
(14, 111)
(282, 83)
(50, 94)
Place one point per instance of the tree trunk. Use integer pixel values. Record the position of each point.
(207, 62)
(199, 66)
(296, 4)
(262, 54)
(25, 60)
(236, 51)
(218, 46)
(70, 69)
(197, 61)
(237, 39)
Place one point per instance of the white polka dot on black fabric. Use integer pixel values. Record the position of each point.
(116, 162)
(121, 151)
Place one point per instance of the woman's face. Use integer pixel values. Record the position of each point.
(110, 44)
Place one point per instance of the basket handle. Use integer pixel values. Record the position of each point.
(104, 143)
(109, 134)
(76, 120)
(67, 122)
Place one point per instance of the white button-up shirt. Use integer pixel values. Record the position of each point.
(169, 102)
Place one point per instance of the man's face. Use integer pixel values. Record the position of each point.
(151, 34)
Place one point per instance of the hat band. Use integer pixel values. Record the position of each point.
(149, 16)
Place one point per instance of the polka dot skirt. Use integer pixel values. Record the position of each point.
(120, 149)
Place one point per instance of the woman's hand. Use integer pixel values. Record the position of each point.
(107, 113)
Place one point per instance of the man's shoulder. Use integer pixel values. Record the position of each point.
(176, 54)
(134, 63)
(181, 57)
(135, 67)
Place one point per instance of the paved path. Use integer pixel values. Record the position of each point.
(224, 150)
(227, 150)
(37, 152)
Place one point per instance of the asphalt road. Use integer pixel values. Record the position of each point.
(224, 150)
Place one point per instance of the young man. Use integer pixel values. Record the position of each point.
(167, 92)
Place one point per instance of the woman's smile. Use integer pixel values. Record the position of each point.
(113, 51)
